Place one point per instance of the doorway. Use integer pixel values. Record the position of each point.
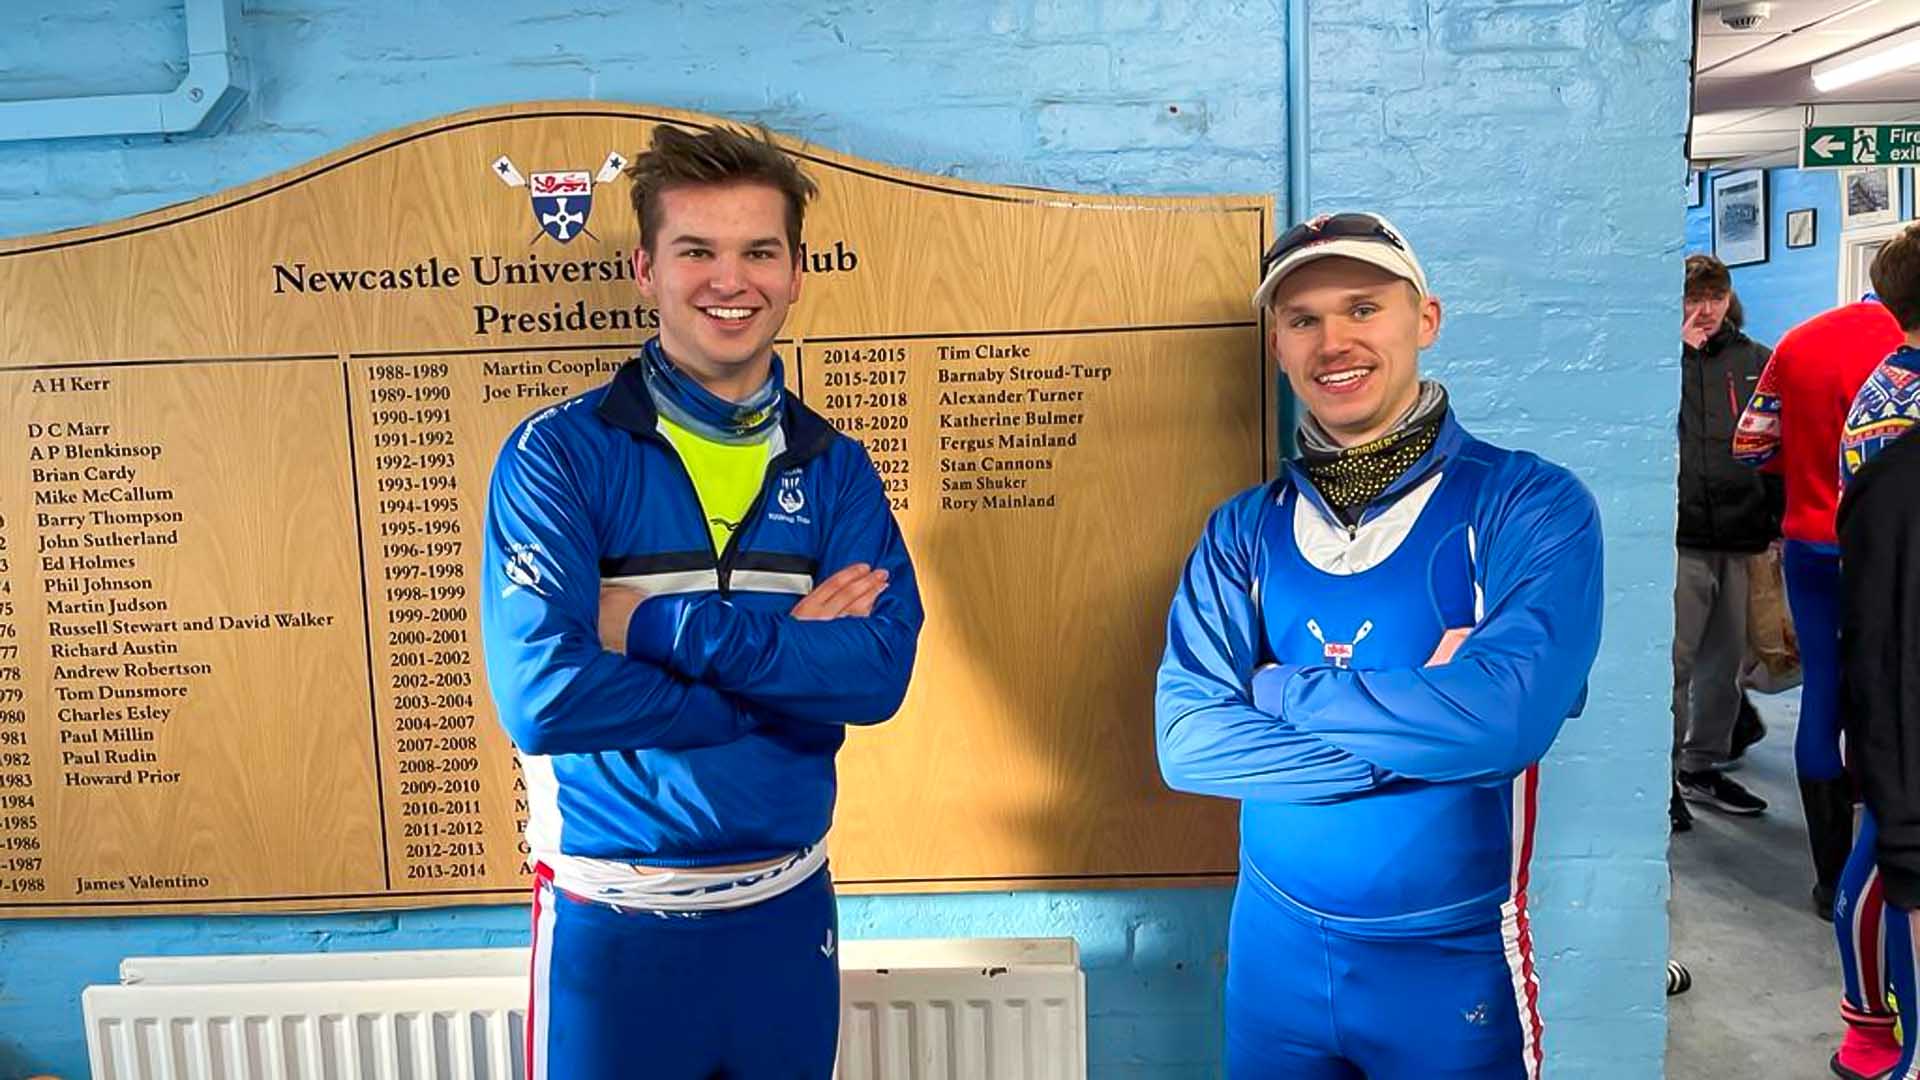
(1857, 249)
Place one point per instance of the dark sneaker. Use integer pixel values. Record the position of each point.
(1747, 729)
(1823, 901)
(1679, 818)
(1716, 789)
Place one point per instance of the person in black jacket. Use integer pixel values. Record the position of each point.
(1879, 529)
(1880, 688)
(1727, 512)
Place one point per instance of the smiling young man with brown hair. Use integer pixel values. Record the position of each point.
(1372, 653)
(693, 584)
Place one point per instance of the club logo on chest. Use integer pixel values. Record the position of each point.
(1339, 653)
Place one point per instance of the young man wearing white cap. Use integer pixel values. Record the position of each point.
(1372, 653)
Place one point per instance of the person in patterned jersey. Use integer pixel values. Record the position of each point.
(1880, 889)
(1884, 408)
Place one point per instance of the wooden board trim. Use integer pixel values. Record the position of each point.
(559, 110)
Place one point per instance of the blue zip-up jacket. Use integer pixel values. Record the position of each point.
(717, 745)
(1357, 765)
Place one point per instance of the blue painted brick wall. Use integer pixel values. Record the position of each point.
(1527, 148)
(146, 39)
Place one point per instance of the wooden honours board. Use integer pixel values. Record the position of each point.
(244, 447)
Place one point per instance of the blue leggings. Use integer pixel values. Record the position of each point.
(1813, 593)
(1876, 947)
(1876, 941)
(718, 995)
(1306, 1002)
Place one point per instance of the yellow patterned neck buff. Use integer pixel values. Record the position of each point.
(1351, 477)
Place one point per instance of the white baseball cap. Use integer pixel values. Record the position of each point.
(1367, 238)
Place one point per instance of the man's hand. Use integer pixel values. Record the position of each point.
(616, 611)
(851, 592)
(1693, 326)
(1449, 644)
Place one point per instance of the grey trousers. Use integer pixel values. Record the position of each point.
(1709, 642)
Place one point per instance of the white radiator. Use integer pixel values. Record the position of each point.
(981, 1009)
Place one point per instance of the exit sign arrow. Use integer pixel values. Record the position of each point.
(1855, 145)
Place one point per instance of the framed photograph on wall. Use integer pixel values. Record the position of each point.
(1800, 231)
(1695, 196)
(1740, 217)
(1869, 197)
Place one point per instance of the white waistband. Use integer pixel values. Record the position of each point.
(693, 889)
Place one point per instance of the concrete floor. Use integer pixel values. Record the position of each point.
(1766, 976)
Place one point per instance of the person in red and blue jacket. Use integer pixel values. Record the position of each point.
(1791, 427)
(1372, 653)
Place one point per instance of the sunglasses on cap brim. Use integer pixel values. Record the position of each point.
(1333, 227)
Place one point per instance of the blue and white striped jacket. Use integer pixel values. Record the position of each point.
(720, 750)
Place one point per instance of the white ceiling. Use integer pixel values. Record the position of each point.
(1752, 88)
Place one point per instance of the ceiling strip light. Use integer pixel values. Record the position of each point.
(1868, 61)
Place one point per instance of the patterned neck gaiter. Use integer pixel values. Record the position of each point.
(1351, 477)
(693, 407)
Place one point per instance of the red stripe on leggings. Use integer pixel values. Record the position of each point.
(542, 880)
